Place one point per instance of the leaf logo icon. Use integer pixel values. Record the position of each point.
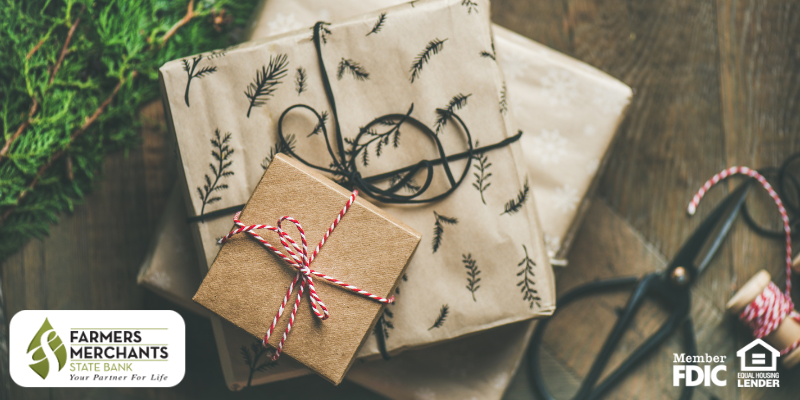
(46, 351)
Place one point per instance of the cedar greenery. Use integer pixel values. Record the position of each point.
(378, 24)
(472, 274)
(527, 284)
(432, 48)
(438, 228)
(354, 68)
(266, 81)
(205, 71)
(458, 102)
(222, 153)
(279, 147)
(301, 81)
(482, 164)
(441, 318)
(514, 205)
(251, 358)
(74, 74)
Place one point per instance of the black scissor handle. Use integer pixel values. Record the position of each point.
(643, 287)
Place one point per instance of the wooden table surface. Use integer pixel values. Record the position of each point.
(716, 83)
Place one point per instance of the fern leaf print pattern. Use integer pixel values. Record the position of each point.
(441, 318)
(472, 274)
(503, 100)
(301, 81)
(266, 81)
(515, 204)
(527, 284)
(378, 24)
(252, 358)
(355, 69)
(432, 48)
(458, 102)
(482, 175)
(191, 74)
(438, 228)
(221, 152)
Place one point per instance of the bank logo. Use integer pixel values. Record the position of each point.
(46, 351)
(758, 356)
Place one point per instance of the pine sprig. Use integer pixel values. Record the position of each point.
(73, 77)
(221, 153)
(409, 185)
(527, 284)
(458, 102)
(471, 6)
(378, 24)
(266, 81)
(320, 124)
(301, 81)
(472, 274)
(438, 228)
(191, 74)
(482, 164)
(432, 48)
(279, 147)
(355, 69)
(503, 100)
(441, 318)
(514, 205)
(380, 140)
(252, 358)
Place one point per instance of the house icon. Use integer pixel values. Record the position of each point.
(758, 356)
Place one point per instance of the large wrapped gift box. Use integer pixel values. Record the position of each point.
(425, 63)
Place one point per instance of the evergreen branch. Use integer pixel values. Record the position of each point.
(409, 185)
(75, 135)
(441, 318)
(301, 81)
(472, 274)
(482, 176)
(432, 48)
(514, 205)
(191, 74)
(443, 114)
(221, 152)
(378, 24)
(354, 68)
(266, 81)
(279, 148)
(527, 284)
(438, 228)
(35, 106)
(471, 6)
(183, 21)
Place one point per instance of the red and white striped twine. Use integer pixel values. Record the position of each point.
(766, 312)
(298, 257)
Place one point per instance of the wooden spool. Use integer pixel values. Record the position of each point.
(787, 333)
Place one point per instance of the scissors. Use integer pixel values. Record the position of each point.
(670, 288)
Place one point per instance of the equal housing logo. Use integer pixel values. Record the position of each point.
(758, 368)
(85, 348)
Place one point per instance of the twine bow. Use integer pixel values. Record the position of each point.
(298, 258)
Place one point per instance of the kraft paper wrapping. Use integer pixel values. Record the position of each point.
(577, 109)
(436, 302)
(368, 249)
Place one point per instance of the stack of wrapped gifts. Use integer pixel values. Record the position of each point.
(376, 192)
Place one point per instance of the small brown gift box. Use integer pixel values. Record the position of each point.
(368, 249)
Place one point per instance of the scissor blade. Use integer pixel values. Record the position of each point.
(702, 245)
